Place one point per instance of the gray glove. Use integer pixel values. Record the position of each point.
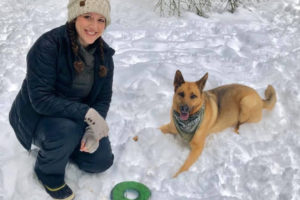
(96, 123)
(89, 142)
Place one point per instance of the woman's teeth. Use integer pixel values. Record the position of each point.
(90, 33)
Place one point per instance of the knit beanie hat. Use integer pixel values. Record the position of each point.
(79, 7)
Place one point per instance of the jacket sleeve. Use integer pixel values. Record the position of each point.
(103, 99)
(41, 79)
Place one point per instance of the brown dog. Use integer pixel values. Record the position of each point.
(196, 113)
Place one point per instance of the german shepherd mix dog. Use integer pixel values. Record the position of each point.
(196, 113)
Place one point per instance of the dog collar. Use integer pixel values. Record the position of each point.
(187, 128)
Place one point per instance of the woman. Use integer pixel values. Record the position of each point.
(65, 97)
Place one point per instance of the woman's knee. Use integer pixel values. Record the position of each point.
(99, 161)
(97, 166)
(102, 165)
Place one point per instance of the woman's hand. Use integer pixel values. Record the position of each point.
(89, 142)
(97, 123)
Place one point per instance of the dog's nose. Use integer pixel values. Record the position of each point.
(184, 109)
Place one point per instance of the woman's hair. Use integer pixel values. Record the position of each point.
(78, 64)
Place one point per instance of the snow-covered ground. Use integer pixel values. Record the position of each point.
(257, 46)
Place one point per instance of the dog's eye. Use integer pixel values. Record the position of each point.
(181, 94)
(193, 96)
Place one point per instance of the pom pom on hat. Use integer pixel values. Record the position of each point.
(79, 7)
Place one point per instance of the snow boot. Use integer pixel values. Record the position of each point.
(63, 192)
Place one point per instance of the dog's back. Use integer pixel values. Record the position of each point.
(237, 104)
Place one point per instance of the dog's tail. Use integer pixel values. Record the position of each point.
(271, 99)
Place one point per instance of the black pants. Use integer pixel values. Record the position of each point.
(59, 141)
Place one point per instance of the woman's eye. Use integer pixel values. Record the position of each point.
(101, 20)
(86, 16)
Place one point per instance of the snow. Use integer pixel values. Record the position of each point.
(257, 45)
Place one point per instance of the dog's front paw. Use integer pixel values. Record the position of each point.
(164, 128)
(175, 175)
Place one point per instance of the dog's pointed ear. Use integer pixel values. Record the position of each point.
(201, 82)
(178, 80)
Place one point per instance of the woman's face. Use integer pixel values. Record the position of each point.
(89, 27)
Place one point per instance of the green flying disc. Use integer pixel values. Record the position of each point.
(118, 192)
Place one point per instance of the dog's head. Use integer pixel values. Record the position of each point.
(188, 97)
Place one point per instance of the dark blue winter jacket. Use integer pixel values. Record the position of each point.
(50, 72)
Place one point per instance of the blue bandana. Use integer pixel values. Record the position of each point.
(187, 128)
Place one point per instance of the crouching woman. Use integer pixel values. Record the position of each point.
(65, 96)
